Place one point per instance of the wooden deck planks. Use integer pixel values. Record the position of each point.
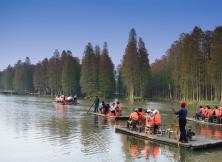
(198, 142)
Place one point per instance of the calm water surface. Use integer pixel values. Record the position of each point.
(34, 129)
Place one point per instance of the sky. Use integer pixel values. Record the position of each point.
(35, 28)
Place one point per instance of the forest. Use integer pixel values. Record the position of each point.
(189, 70)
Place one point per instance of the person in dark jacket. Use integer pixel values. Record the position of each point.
(96, 102)
(182, 115)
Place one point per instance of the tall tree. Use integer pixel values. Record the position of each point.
(129, 65)
(144, 71)
(70, 74)
(54, 73)
(106, 73)
(88, 72)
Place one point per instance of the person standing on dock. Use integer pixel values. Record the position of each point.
(96, 102)
(182, 115)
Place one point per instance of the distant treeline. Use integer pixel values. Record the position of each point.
(191, 70)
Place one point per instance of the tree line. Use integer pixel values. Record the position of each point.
(191, 68)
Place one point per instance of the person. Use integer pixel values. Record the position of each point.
(107, 108)
(75, 99)
(96, 102)
(200, 113)
(112, 109)
(118, 108)
(157, 120)
(133, 119)
(182, 115)
(149, 121)
(141, 119)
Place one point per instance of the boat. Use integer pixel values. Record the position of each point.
(197, 142)
(112, 117)
(203, 122)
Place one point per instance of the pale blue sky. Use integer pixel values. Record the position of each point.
(35, 28)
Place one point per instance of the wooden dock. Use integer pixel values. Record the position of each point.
(112, 117)
(198, 142)
(203, 122)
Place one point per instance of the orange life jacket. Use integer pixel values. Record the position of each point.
(157, 119)
(209, 113)
(141, 117)
(217, 113)
(149, 120)
(134, 116)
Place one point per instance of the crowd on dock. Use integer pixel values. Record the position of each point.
(145, 120)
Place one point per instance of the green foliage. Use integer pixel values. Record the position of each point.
(106, 73)
(192, 67)
(70, 74)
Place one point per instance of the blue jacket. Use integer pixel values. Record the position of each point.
(182, 113)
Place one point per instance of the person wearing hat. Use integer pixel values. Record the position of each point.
(182, 115)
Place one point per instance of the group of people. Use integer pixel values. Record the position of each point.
(105, 108)
(149, 119)
(66, 99)
(206, 113)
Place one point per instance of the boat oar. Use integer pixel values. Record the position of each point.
(90, 107)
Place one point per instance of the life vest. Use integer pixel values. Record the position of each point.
(141, 118)
(157, 119)
(205, 112)
(217, 113)
(149, 120)
(134, 116)
(209, 113)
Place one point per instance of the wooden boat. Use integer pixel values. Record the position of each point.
(112, 117)
(198, 142)
(203, 122)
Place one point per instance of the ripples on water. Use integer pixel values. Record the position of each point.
(36, 129)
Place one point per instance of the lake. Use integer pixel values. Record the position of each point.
(35, 129)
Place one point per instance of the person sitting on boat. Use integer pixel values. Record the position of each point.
(182, 115)
(133, 119)
(112, 109)
(69, 99)
(220, 116)
(157, 120)
(102, 107)
(75, 100)
(141, 119)
(149, 121)
(117, 109)
(106, 108)
(215, 115)
(200, 114)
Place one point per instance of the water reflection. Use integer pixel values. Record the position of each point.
(67, 133)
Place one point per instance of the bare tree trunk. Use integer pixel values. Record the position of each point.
(131, 97)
